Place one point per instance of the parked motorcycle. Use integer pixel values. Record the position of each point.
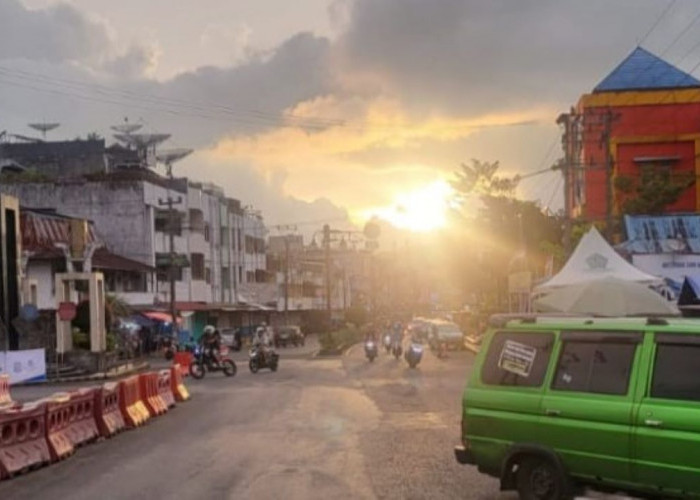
(370, 350)
(207, 360)
(414, 354)
(387, 343)
(396, 349)
(259, 359)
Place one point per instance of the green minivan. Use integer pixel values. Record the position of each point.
(556, 403)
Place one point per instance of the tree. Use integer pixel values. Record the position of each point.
(507, 234)
(654, 191)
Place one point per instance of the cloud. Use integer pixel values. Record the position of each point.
(471, 56)
(58, 33)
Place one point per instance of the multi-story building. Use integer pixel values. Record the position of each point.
(641, 122)
(218, 243)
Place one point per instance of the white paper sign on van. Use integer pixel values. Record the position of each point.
(517, 358)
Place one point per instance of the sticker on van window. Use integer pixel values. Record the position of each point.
(517, 358)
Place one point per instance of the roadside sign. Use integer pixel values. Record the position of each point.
(67, 311)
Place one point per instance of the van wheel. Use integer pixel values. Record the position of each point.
(539, 479)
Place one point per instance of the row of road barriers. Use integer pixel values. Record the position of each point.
(51, 429)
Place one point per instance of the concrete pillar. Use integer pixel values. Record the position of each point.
(96, 291)
(10, 270)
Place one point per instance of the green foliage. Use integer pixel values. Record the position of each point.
(357, 316)
(655, 190)
(27, 177)
(480, 178)
(81, 339)
(339, 340)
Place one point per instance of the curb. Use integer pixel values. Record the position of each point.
(85, 378)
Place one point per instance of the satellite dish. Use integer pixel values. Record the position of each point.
(169, 156)
(140, 141)
(127, 128)
(44, 127)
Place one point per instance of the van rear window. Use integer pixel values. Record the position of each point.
(517, 359)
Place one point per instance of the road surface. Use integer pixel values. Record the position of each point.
(318, 428)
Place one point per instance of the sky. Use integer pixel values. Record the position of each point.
(328, 110)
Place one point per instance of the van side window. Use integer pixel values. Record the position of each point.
(676, 372)
(517, 359)
(597, 367)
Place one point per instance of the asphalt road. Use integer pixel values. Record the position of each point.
(317, 428)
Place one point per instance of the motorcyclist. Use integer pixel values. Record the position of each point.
(262, 341)
(211, 342)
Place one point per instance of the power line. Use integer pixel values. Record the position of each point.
(657, 21)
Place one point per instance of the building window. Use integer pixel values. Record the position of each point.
(240, 274)
(225, 277)
(672, 366)
(207, 275)
(250, 276)
(517, 359)
(206, 231)
(196, 220)
(595, 367)
(162, 222)
(224, 237)
(197, 264)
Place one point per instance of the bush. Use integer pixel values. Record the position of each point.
(339, 340)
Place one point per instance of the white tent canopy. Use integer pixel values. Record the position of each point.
(595, 259)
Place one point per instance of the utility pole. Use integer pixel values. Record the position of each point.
(171, 243)
(605, 140)
(567, 142)
(327, 252)
(286, 279)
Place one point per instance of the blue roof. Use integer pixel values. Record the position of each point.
(642, 70)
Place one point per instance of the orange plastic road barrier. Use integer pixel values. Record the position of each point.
(59, 414)
(149, 394)
(107, 413)
(83, 427)
(164, 388)
(22, 440)
(132, 408)
(5, 396)
(178, 387)
(183, 358)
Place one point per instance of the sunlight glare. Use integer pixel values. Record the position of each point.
(423, 209)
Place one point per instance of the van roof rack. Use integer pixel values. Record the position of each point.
(502, 319)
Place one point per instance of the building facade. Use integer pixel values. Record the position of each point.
(641, 122)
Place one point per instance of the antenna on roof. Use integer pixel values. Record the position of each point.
(144, 144)
(126, 128)
(170, 156)
(44, 127)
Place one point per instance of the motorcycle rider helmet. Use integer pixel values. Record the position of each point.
(209, 329)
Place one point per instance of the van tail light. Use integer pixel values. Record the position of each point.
(465, 441)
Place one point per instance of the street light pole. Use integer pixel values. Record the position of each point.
(171, 242)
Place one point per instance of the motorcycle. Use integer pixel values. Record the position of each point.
(259, 359)
(206, 360)
(396, 349)
(387, 343)
(414, 354)
(370, 350)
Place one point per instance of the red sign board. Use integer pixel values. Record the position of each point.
(67, 311)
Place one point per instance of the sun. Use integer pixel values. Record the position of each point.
(420, 210)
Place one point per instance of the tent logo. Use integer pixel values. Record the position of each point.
(597, 261)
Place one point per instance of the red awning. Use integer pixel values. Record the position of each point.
(160, 316)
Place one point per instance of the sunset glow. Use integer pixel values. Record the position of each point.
(423, 209)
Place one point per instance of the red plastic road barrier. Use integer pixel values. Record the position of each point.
(164, 388)
(132, 408)
(149, 394)
(59, 413)
(109, 418)
(82, 428)
(5, 397)
(183, 358)
(22, 440)
(179, 390)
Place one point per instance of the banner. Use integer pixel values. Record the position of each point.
(24, 366)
